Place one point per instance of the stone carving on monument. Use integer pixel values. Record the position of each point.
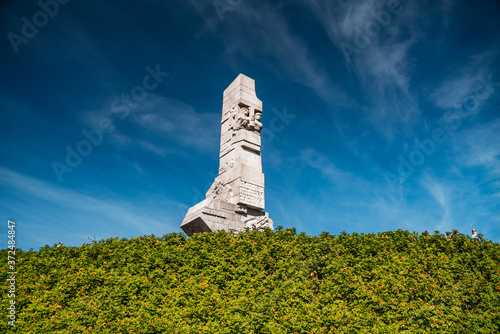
(235, 200)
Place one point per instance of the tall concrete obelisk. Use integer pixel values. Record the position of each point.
(236, 198)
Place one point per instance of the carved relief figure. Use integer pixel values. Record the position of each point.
(220, 191)
(256, 125)
(226, 192)
(217, 189)
(259, 222)
(242, 118)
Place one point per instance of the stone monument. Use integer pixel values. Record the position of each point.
(236, 198)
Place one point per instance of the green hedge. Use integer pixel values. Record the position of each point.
(260, 282)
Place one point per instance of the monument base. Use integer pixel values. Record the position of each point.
(213, 214)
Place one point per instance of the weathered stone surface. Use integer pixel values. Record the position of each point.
(236, 198)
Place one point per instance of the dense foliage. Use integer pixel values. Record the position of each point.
(260, 282)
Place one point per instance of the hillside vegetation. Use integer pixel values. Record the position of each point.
(260, 282)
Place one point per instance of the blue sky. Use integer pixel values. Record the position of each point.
(379, 115)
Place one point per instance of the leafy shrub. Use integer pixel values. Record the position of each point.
(260, 282)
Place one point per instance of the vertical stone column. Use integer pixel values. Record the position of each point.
(236, 198)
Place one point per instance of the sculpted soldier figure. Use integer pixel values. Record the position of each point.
(256, 124)
(242, 118)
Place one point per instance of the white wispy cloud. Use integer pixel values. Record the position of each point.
(350, 203)
(465, 81)
(479, 147)
(438, 191)
(463, 202)
(380, 58)
(384, 73)
(358, 202)
(158, 119)
(119, 213)
(319, 161)
(161, 151)
(271, 44)
(176, 120)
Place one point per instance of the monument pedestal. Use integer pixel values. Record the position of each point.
(236, 198)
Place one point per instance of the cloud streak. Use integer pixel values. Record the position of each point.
(160, 118)
(381, 36)
(119, 214)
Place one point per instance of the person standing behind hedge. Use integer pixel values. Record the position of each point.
(474, 234)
